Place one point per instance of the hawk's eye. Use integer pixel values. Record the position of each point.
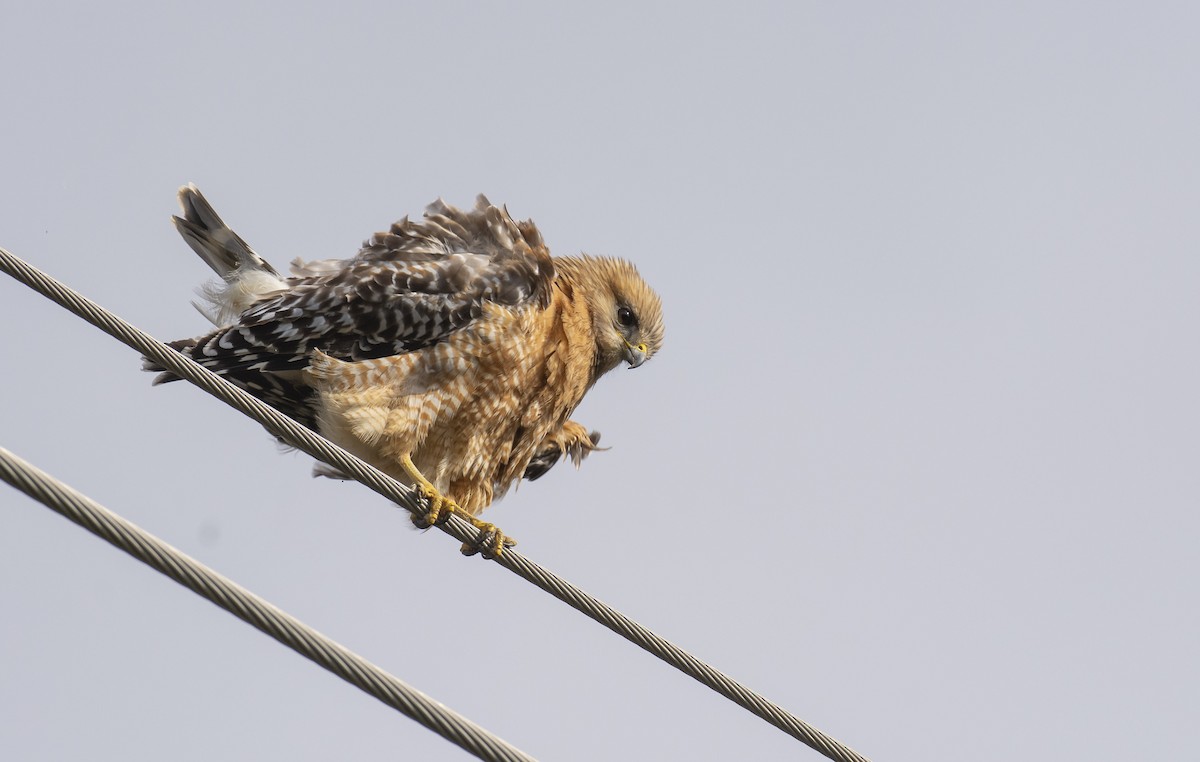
(626, 317)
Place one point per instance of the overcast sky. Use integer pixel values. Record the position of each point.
(919, 459)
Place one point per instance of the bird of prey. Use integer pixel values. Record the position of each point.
(449, 352)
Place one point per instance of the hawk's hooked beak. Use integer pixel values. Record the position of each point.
(635, 354)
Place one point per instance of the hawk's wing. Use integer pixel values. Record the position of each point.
(406, 289)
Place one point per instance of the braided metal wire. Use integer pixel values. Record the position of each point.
(256, 612)
(320, 448)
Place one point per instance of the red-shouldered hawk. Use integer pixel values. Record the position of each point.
(449, 352)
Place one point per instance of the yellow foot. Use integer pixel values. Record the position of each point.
(440, 507)
(490, 542)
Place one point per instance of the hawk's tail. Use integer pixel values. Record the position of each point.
(246, 278)
(208, 235)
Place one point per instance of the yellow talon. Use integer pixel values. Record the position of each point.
(440, 506)
(490, 541)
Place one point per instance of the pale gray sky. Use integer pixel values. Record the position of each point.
(918, 461)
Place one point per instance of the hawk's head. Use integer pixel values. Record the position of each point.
(626, 313)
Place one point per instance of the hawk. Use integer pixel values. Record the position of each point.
(449, 353)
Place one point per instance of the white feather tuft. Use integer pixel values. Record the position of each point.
(224, 301)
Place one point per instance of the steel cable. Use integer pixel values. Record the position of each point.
(320, 448)
(255, 611)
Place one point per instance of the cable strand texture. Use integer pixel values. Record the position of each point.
(318, 447)
(254, 611)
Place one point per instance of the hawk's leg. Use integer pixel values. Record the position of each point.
(440, 506)
(490, 541)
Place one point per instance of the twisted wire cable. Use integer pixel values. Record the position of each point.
(320, 448)
(255, 611)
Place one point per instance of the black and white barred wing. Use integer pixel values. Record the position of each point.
(407, 288)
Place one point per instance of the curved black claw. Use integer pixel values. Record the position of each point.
(544, 460)
(490, 542)
(430, 519)
(438, 512)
